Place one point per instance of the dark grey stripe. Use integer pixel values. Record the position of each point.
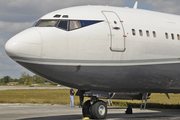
(94, 61)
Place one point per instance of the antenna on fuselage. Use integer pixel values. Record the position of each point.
(135, 5)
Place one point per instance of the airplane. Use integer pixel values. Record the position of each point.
(104, 52)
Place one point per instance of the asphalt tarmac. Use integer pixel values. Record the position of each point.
(60, 112)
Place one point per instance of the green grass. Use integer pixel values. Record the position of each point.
(37, 96)
(156, 101)
(35, 85)
(62, 97)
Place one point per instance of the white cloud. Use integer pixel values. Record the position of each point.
(2, 43)
(1, 55)
(1, 75)
(13, 28)
(9, 67)
(169, 6)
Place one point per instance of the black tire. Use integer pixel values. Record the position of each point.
(86, 109)
(99, 110)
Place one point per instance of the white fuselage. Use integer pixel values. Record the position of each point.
(122, 37)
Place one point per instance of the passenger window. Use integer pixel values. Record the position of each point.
(47, 23)
(74, 25)
(178, 36)
(154, 33)
(167, 37)
(63, 24)
(133, 32)
(147, 33)
(140, 32)
(172, 35)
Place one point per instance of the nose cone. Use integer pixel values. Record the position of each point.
(26, 44)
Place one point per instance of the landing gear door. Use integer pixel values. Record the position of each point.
(117, 33)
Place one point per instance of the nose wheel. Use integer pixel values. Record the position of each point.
(98, 110)
(86, 109)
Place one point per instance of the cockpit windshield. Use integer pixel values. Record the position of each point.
(67, 25)
(47, 23)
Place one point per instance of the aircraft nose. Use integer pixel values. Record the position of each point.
(26, 44)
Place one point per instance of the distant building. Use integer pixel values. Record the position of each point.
(13, 83)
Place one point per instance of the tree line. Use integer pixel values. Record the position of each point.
(25, 79)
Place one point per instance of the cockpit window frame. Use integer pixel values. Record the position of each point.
(83, 23)
(69, 25)
(76, 26)
(63, 28)
(35, 23)
(47, 20)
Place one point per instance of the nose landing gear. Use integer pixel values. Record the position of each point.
(95, 110)
(86, 109)
(99, 110)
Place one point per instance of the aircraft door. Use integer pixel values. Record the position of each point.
(117, 33)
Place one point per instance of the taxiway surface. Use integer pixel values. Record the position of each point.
(60, 112)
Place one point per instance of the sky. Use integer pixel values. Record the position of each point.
(18, 15)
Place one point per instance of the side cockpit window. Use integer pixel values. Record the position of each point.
(47, 23)
(74, 25)
(63, 24)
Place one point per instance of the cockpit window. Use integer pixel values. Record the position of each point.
(74, 25)
(57, 16)
(65, 16)
(35, 24)
(67, 25)
(47, 23)
(63, 24)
